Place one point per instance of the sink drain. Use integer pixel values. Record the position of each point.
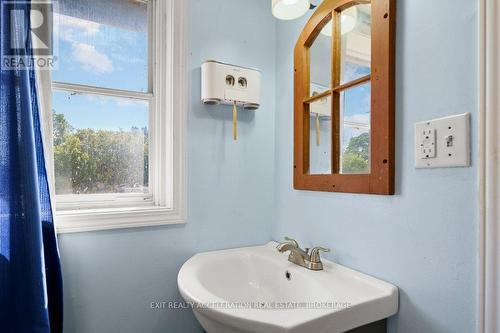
(288, 275)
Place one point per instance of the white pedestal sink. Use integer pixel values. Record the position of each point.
(256, 289)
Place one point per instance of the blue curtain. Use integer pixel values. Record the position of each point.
(30, 272)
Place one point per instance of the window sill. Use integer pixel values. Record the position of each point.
(105, 219)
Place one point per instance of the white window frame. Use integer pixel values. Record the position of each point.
(166, 201)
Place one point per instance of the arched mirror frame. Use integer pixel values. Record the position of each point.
(380, 180)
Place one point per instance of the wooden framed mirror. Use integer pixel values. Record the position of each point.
(344, 98)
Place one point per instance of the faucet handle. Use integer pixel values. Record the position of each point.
(315, 258)
(292, 241)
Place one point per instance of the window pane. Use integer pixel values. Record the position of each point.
(320, 137)
(320, 54)
(100, 144)
(356, 42)
(355, 129)
(102, 43)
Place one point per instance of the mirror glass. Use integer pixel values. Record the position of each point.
(355, 47)
(355, 129)
(320, 55)
(320, 136)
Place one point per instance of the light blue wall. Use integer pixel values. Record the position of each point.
(423, 239)
(111, 277)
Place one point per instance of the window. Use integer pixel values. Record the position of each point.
(117, 121)
(344, 98)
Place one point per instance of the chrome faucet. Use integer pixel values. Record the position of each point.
(305, 258)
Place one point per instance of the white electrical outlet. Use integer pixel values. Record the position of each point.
(443, 142)
(427, 142)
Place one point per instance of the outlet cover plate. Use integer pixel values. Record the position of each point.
(443, 142)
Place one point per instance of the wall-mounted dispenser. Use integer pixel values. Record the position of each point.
(232, 85)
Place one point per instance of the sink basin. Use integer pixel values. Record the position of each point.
(256, 289)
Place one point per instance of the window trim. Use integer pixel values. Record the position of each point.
(167, 203)
(488, 285)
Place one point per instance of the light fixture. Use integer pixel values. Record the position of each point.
(348, 20)
(290, 9)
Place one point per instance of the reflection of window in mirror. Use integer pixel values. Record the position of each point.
(320, 133)
(355, 130)
(344, 98)
(355, 60)
(320, 55)
(356, 42)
